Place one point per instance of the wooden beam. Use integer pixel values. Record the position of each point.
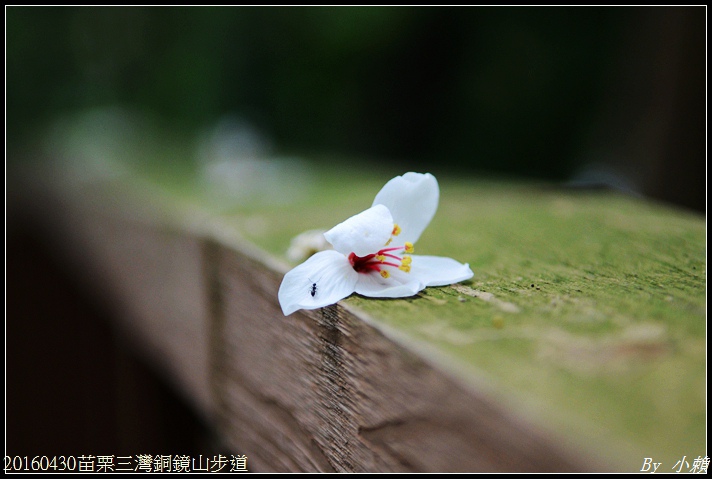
(578, 346)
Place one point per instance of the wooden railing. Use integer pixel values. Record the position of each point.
(579, 345)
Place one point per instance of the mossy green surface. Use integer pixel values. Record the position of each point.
(586, 313)
(593, 317)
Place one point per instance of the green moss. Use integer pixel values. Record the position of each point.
(596, 325)
(608, 337)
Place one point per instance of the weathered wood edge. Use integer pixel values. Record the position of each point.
(560, 453)
(219, 240)
(375, 400)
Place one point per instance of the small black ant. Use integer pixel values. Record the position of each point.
(312, 288)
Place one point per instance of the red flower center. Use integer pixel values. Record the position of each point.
(376, 261)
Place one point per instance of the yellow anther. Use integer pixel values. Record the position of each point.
(406, 260)
(380, 258)
(396, 230)
(408, 247)
(389, 241)
(385, 273)
(404, 267)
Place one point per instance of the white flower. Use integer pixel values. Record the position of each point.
(372, 252)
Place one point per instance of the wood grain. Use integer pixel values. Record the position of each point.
(576, 347)
(323, 390)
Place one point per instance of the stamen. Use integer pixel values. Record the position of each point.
(377, 261)
(396, 230)
(385, 263)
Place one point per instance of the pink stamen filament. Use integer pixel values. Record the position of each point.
(369, 263)
(389, 264)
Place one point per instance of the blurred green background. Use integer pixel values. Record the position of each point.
(583, 95)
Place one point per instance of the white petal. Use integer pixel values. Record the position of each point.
(439, 271)
(332, 274)
(397, 286)
(363, 234)
(412, 200)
